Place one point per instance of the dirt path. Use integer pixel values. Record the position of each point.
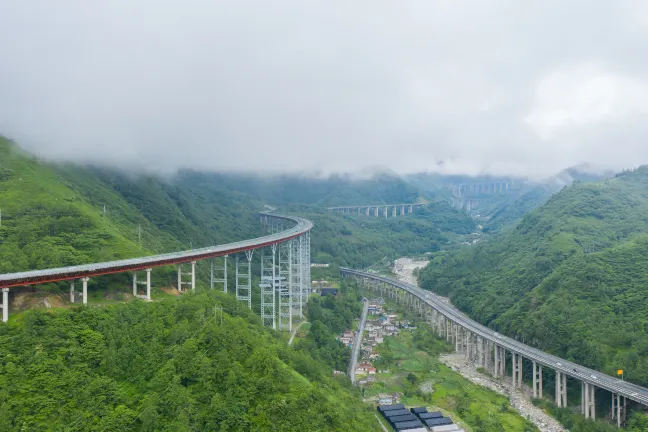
(295, 332)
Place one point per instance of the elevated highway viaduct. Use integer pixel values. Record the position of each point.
(378, 210)
(488, 349)
(285, 270)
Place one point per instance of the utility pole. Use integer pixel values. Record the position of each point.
(139, 234)
(221, 311)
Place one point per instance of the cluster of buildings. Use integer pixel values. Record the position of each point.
(382, 324)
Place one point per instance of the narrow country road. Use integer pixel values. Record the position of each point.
(295, 332)
(357, 341)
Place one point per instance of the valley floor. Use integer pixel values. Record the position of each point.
(520, 399)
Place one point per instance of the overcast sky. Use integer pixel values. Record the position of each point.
(484, 86)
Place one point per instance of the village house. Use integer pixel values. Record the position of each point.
(390, 328)
(346, 341)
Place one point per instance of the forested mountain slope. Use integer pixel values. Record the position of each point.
(166, 366)
(333, 190)
(360, 241)
(55, 215)
(571, 278)
(63, 214)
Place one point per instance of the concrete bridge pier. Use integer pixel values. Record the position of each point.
(514, 365)
(561, 390)
(223, 271)
(146, 296)
(497, 363)
(5, 304)
(192, 280)
(619, 409)
(72, 292)
(84, 292)
(537, 380)
(588, 402)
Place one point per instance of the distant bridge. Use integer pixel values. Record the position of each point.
(464, 189)
(285, 270)
(378, 210)
(488, 349)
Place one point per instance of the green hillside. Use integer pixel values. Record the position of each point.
(360, 241)
(571, 278)
(166, 366)
(64, 214)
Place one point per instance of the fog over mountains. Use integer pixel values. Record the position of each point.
(494, 87)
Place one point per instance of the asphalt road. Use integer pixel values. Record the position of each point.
(357, 341)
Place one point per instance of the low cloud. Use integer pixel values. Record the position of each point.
(497, 86)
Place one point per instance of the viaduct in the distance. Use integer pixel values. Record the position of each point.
(489, 349)
(378, 210)
(284, 279)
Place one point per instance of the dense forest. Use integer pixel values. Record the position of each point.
(328, 317)
(571, 277)
(174, 365)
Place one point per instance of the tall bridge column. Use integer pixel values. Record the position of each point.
(244, 278)
(223, 271)
(84, 292)
(561, 390)
(146, 296)
(514, 365)
(72, 292)
(148, 283)
(268, 285)
(5, 304)
(537, 380)
(306, 275)
(588, 402)
(496, 365)
(619, 409)
(193, 275)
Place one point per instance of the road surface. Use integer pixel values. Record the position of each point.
(357, 341)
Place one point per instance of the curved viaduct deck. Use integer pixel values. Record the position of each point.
(87, 270)
(289, 251)
(589, 376)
